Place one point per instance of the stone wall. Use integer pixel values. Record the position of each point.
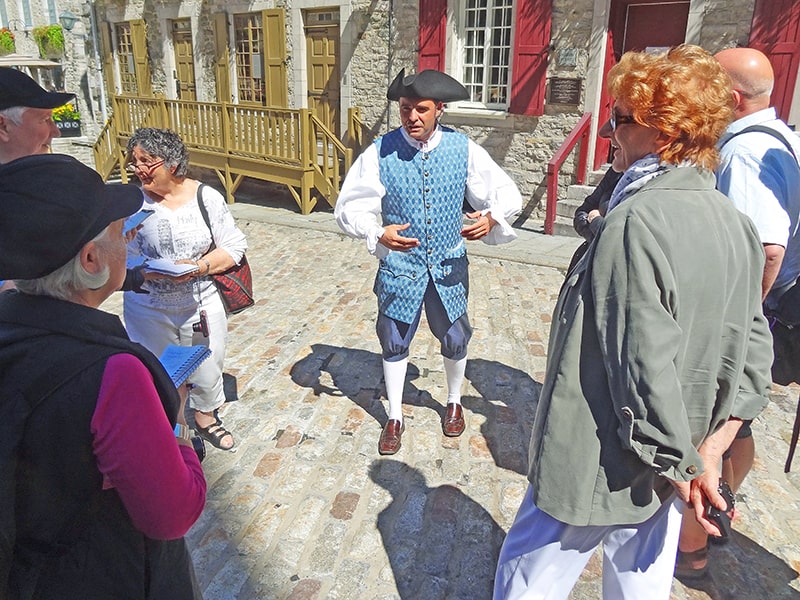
(381, 37)
(726, 23)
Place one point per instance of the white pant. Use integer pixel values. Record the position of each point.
(155, 328)
(542, 557)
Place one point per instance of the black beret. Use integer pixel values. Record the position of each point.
(17, 89)
(427, 84)
(52, 206)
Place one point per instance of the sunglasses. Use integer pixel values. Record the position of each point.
(617, 119)
(144, 168)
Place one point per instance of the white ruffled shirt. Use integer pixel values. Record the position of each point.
(182, 234)
(488, 189)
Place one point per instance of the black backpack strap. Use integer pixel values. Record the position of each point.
(769, 131)
(204, 213)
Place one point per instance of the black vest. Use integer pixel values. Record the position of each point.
(61, 534)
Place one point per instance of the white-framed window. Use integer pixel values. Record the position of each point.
(25, 12)
(52, 11)
(483, 58)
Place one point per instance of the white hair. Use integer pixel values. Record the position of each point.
(64, 282)
(14, 113)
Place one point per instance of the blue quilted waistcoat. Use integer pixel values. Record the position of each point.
(425, 189)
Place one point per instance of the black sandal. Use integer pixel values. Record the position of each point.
(214, 434)
(684, 565)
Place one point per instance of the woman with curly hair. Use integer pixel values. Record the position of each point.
(658, 349)
(184, 310)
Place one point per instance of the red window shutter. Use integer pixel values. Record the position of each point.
(432, 31)
(776, 32)
(529, 65)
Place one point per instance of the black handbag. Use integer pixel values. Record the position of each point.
(784, 322)
(235, 285)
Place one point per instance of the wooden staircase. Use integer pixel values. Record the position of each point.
(280, 145)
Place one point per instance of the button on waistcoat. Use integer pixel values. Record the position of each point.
(425, 189)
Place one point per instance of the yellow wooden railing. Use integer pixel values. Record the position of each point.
(282, 145)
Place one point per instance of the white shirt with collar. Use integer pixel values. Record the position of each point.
(763, 181)
(488, 189)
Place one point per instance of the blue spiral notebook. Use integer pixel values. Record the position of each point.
(182, 361)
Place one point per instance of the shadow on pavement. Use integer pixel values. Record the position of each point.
(744, 569)
(507, 398)
(507, 428)
(440, 542)
(357, 375)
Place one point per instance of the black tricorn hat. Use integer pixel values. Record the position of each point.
(427, 84)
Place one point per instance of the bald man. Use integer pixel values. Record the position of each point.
(759, 172)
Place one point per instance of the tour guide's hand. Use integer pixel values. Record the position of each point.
(392, 239)
(481, 227)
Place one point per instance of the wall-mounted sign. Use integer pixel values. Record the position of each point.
(564, 90)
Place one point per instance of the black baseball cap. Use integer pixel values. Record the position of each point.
(53, 205)
(17, 89)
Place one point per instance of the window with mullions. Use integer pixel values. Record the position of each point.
(486, 45)
(249, 39)
(125, 60)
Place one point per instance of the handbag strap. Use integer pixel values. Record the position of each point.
(204, 213)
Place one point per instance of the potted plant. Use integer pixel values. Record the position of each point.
(68, 120)
(7, 44)
(50, 40)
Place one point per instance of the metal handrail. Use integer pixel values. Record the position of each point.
(579, 133)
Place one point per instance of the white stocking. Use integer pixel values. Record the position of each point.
(394, 374)
(454, 371)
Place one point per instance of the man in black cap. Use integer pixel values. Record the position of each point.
(404, 196)
(26, 115)
(91, 506)
(26, 123)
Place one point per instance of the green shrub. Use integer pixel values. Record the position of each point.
(50, 40)
(7, 44)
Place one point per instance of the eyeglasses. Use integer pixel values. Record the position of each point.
(144, 168)
(617, 119)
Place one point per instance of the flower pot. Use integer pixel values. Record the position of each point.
(69, 128)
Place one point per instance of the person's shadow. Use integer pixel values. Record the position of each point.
(440, 542)
(357, 375)
(507, 396)
(508, 399)
(745, 569)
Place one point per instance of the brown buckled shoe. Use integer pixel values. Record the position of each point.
(389, 443)
(453, 424)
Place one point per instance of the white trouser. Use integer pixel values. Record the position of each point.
(155, 328)
(542, 557)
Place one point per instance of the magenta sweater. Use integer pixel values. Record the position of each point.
(160, 482)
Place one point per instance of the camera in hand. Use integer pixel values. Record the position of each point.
(202, 325)
(199, 447)
(721, 518)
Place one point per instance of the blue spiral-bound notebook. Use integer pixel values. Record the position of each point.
(182, 361)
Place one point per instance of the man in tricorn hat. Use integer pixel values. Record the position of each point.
(404, 195)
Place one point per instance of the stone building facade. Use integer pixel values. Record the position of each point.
(331, 55)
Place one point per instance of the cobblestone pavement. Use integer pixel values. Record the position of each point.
(305, 508)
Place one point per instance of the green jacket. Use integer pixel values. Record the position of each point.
(657, 338)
